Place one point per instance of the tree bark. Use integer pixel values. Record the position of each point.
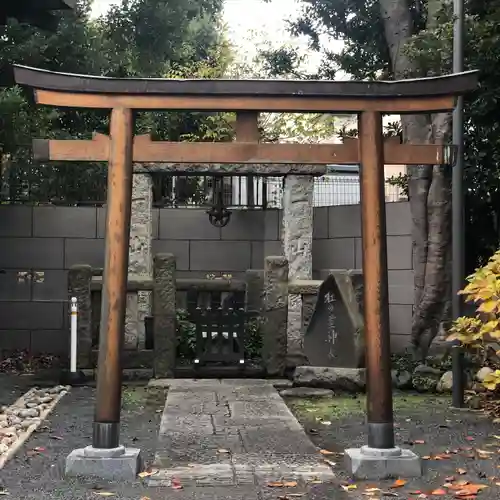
(429, 188)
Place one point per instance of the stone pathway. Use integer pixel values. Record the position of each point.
(232, 432)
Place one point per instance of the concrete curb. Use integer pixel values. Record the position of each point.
(23, 437)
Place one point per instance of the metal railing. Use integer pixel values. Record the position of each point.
(85, 184)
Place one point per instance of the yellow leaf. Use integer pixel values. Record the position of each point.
(290, 484)
(488, 307)
(348, 487)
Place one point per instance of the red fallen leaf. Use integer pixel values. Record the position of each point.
(176, 484)
(469, 438)
(39, 449)
(439, 491)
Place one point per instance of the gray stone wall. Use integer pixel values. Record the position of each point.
(49, 240)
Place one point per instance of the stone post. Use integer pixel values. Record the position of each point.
(164, 303)
(297, 248)
(140, 260)
(79, 281)
(274, 341)
(254, 291)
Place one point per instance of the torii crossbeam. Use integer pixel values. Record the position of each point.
(369, 100)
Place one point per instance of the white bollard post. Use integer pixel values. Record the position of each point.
(74, 338)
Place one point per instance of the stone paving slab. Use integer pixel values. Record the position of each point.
(232, 432)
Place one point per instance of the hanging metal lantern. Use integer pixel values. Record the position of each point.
(218, 214)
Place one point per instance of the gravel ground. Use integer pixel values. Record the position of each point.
(424, 423)
(39, 475)
(12, 387)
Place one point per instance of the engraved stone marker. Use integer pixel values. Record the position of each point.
(334, 336)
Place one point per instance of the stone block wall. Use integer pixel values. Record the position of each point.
(46, 241)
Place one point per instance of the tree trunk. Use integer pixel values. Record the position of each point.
(429, 190)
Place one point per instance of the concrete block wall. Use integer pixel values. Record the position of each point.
(47, 239)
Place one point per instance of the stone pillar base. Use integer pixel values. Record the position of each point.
(112, 464)
(373, 463)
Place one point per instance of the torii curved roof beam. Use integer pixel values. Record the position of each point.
(403, 96)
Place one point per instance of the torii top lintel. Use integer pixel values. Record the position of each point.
(403, 96)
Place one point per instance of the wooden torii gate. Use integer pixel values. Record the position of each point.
(369, 100)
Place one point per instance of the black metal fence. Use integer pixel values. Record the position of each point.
(76, 184)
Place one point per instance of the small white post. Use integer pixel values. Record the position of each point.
(74, 339)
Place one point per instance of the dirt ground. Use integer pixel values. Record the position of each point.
(458, 446)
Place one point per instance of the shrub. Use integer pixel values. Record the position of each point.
(476, 334)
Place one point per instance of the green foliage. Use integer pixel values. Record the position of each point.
(160, 38)
(365, 56)
(186, 336)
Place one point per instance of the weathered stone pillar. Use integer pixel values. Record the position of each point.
(254, 292)
(140, 260)
(164, 303)
(297, 248)
(79, 281)
(274, 341)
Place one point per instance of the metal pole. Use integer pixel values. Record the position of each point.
(457, 272)
(74, 337)
(114, 290)
(376, 302)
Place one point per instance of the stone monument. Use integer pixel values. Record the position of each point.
(334, 337)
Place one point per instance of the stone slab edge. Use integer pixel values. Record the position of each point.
(128, 374)
(23, 437)
(167, 382)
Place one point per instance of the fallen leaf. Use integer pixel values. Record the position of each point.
(415, 492)
(326, 452)
(372, 490)
(426, 457)
(39, 449)
(439, 491)
(389, 494)
(275, 484)
(449, 479)
(326, 422)
(295, 495)
(223, 450)
(329, 462)
(419, 441)
(176, 484)
(145, 498)
(147, 474)
(105, 493)
(57, 438)
(462, 471)
(398, 483)
(4, 493)
(469, 438)
(348, 487)
(289, 484)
